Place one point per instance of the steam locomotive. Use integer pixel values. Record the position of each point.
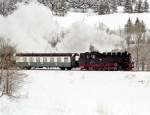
(107, 61)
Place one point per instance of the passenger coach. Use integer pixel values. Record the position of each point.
(48, 60)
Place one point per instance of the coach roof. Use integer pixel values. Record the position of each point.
(45, 54)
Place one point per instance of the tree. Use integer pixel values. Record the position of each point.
(139, 7)
(83, 5)
(136, 34)
(120, 2)
(146, 6)
(128, 31)
(140, 40)
(128, 6)
(7, 7)
(58, 7)
(114, 6)
(103, 7)
(133, 1)
(10, 78)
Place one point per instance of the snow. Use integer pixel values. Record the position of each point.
(32, 26)
(112, 21)
(81, 93)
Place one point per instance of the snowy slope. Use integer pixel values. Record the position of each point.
(82, 93)
(31, 26)
(112, 21)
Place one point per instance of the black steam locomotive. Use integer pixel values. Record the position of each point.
(117, 61)
(106, 61)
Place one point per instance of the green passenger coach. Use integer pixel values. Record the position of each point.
(47, 60)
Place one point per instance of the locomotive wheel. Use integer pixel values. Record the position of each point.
(69, 68)
(28, 68)
(62, 68)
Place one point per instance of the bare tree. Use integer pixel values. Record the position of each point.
(10, 78)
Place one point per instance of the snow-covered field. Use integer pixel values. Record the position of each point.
(81, 93)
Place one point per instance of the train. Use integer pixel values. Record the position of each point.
(106, 61)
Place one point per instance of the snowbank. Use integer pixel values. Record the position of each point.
(82, 93)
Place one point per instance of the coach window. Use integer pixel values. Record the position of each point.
(44, 59)
(31, 59)
(58, 59)
(66, 59)
(52, 60)
(37, 59)
(25, 59)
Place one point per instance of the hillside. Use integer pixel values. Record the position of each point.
(32, 27)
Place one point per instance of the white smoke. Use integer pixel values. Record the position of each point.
(32, 27)
(28, 26)
(80, 36)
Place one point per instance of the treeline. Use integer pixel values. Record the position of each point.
(101, 7)
(136, 7)
(60, 7)
(138, 43)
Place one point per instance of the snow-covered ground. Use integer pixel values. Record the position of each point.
(113, 21)
(81, 93)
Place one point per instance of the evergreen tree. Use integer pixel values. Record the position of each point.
(129, 26)
(136, 33)
(146, 6)
(139, 7)
(128, 31)
(7, 7)
(103, 7)
(61, 8)
(133, 1)
(58, 7)
(120, 2)
(114, 6)
(95, 6)
(84, 5)
(128, 6)
(139, 26)
(107, 6)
